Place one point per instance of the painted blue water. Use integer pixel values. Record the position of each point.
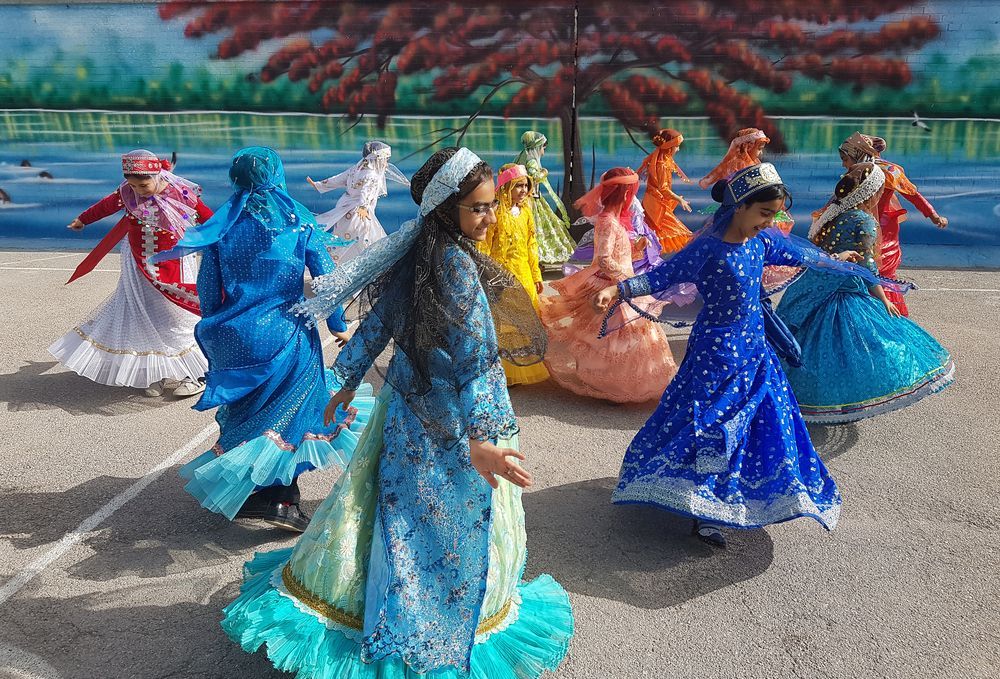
(961, 184)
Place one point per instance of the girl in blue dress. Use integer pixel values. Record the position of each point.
(413, 564)
(266, 373)
(726, 445)
(860, 356)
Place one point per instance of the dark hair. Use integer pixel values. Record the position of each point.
(139, 176)
(765, 195)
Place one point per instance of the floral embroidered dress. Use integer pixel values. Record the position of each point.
(555, 245)
(857, 360)
(413, 564)
(726, 443)
(632, 366)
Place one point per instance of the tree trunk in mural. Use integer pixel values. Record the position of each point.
(635, 61)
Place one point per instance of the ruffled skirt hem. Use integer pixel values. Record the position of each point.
(124, 368)
(300, 640)
(222, 482)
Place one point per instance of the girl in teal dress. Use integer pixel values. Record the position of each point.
(555, 245)
(860, 356)
(413, 564)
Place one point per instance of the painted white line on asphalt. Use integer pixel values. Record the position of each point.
(100, 516)
(14, 585)
(957, 290)
(40, 259)
(46, 268)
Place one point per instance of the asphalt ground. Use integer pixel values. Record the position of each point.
(108, 569)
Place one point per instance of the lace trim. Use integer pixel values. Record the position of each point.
(279, 441)
(868, 188)
(285, 582)
(130, 352)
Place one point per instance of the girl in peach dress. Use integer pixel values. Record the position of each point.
(634, 364)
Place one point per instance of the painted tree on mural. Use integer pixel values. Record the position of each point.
(643, 61)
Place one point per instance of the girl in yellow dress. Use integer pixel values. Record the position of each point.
(511, 242)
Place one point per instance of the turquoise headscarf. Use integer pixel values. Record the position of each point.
(259, 192)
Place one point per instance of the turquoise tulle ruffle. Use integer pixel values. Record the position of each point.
(299, 642)
(222, 483)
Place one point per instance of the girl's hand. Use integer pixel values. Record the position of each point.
(341, 399)
(891, 309)
(312, 183)
(539, 286)
(939, 221)
(640, 244)
(76, 225)
(604, 298)
(363, 213)
(849, 256)
(491, 461)
(340, 338)
(686, 205)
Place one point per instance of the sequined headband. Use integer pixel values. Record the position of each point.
(749, 181)
(141, 165)
(446, 181)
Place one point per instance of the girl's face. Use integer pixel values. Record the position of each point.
(542, 152)
(143, 186)
(477, 211)
(846, 162)
(752, 218)
(519, 190)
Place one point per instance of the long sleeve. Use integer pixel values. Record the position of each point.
(319, 263)
(919, 202)
(604, 246)
(778, 250)
(337, 181)
(532, 245)
(210, 293)
(483, 398)
(204, 212)
(105, 207)
(683, 267)
(359, 354)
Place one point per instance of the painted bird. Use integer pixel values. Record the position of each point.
(917, 122)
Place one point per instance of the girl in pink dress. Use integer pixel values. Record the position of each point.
(634, 364)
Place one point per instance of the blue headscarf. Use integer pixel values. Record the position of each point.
(259, 191)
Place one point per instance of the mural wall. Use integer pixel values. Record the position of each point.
(80, 84)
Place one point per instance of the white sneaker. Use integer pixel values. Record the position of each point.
(155, 389)
(189, 387)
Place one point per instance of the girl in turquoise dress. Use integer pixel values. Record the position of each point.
(860, 356)
(413, 564)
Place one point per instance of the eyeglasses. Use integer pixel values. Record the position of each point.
(481, 209)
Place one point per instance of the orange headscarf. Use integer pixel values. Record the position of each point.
(742, 153)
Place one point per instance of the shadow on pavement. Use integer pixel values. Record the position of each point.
(551, 400)
(134, 632)
(640, 556)
(833, 441)
(30, 389)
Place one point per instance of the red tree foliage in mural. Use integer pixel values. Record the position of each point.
(646, 60)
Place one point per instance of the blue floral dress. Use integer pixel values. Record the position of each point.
(857, 360)
(413, 564)
(727, 443)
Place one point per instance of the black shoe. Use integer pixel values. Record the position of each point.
(709, 533)
(287, 516)
(257, 506)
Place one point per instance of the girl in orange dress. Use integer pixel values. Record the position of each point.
(635, 364)
(660, 201)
